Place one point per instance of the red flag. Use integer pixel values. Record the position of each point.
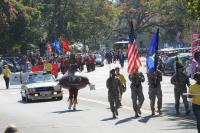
(37, 68)
(49, 49)
(65, 45)
(54, 69)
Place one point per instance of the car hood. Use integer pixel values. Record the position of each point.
(42, 84)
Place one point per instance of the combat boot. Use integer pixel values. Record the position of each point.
(139, 112)
(114, 116)
(152, 112)
(159, 112)
(177, 112)
(116, 112)
(136, 113)
(187, 112)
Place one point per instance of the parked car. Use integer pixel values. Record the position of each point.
(40, 85)
(170, 61)
(99, 60)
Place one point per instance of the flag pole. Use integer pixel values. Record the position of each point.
(156, 52)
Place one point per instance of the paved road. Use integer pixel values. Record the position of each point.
(93, 114)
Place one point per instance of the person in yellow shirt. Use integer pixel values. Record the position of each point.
(194, 91)
(48, 67)
(123, 83)
(6, 75)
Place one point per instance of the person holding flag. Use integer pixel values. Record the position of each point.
(154, 75)
(134, 76)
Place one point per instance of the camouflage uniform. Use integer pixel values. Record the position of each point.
(113, 84)
(180, 81)
(154, 79)
(136, 91)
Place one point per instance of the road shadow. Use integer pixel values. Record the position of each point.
(125, 120)
(145, 119)
(109, 119)
(67, 111)
(183, 121)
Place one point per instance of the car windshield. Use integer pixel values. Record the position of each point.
(35, 78)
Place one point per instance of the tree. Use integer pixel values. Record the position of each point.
(7, 13)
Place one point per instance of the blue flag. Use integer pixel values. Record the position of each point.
(152, 53)
(56, 46)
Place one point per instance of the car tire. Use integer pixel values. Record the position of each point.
(23, 99)
(27, 99)
(60, 98)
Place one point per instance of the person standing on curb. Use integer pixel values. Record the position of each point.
(6, 75)
(194, 91)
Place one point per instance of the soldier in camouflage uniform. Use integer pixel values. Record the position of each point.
(154, 79)
(136, 79)
(180, 80)
(113, 84)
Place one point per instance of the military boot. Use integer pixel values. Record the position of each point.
(136, 113)
(177, 112)
(152, 112)
(187, 112)
(159, 112)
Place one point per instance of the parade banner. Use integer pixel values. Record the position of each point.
(37, 68)
(54, 69)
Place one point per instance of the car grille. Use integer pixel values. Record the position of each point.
(44, 89)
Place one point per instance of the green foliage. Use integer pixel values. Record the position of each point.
(39, 21)
(194, 8)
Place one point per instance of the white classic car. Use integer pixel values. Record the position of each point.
(40, 86)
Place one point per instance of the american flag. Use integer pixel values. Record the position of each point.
(133, 57)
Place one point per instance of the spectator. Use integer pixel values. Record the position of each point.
(6, 75)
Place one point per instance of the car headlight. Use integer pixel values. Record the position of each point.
(55, 93)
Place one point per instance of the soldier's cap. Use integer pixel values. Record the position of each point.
(112, 71)
(116, 68)
(196, 75)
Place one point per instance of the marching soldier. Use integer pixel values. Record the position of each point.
(136, 79)
(180, 80)
(154, 79)
(113, 84)
(123, 83)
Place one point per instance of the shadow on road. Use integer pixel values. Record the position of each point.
(67, 111)
(108, 119)
(183, 121)
(145, 119)
(125, 120)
